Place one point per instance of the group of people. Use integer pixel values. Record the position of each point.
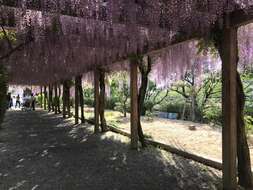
(10, 102)
(25, 102)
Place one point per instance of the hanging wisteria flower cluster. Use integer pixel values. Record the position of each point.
(70, 37)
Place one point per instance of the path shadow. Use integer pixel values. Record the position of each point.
(62, 156)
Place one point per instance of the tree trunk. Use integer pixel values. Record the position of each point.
(141, 98)
(145, 70)
(244, 164)
(102, 101)
(193, 107)
(183, 112)
(125, 108)
(81, 99)
(45, 98)
(76, 101)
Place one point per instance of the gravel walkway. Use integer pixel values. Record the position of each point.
(42, 151)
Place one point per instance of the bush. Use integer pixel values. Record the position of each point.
(175, 108)
(120, 107)
(88, 93)
(213, 115)
(248, 124)
(110, 103)
(89, 102)
(38, 98)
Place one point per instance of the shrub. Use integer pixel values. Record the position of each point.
(120, 107)
(89, 102)
(175, 107)
(110, 103)
(214, 115)
(248, 124)
(88, 93)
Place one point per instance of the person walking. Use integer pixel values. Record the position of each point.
(17, 101)
(33, 101)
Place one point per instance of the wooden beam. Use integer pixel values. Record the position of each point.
(76, 101)
(96, 100)
(241, 17)
(229, 107)
(134, 103)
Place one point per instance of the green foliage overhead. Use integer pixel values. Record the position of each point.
(11, 35)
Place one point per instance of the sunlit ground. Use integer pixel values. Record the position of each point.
(206, 141)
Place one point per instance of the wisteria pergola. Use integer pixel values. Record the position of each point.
(60, 39)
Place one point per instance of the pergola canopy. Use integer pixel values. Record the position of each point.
(64, 38)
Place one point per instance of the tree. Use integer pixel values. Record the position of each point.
(198, 94)
(81, 97)
(120, 91)
(154, 96)
(102, 100)
(144, 68)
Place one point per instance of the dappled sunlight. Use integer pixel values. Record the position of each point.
(205, 141)
(18, 185)
(76, 158)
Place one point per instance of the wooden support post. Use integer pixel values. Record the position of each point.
(229, 107)
(45, 98)
(55, 99)
(134, 104)
(41, 96)
(96, 100)
(50, 98)
(58, 99)
(64, 99)
(68, 98)
(76, 101)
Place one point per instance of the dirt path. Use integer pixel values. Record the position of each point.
(43, 151)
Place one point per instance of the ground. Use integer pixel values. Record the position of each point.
(205, 141)
(42, 151)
